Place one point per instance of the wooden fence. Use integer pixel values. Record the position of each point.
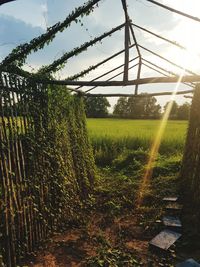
(38, 178)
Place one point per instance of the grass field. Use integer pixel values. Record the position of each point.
(109, 136)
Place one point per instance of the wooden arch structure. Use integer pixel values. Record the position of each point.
(14, 61)
(15, 135)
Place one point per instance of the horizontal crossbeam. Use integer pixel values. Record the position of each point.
(186, 78)
(110, 71)
(140, 95)
(111, 78)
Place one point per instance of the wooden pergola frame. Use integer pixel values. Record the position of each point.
(130, 41)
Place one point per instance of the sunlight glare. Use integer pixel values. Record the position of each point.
(156, 145)
(186, 33)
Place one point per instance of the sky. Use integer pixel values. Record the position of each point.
(22, 20)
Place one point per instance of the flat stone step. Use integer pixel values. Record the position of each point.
(174, 206)
(172, 222)
(165, 239)
(188, 263)
(170, 199)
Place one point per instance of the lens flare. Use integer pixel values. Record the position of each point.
(156, 145)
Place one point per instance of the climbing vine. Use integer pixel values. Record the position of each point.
(20, 53)
(58, 64)
(46, 164)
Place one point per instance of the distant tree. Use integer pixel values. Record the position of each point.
(137, 107)
(179, 112)
(183, 111)
(143, 107)
(174, 109)
(96, 107)
(134, 107)
(121, 108)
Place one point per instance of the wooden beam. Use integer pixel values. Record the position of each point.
(138, 74)
(159, 36)
(186, 78)
(151, 63)
(79, 49)
(108, 72)
(135, 40)
(50, 34)
(187, 96)
(162, 69)
(140, 57)
(154, 69)
(175, 10)
(167, 60)
(158, 71)
(126, 41)
(74, 77)
(112, 77)
(126, 55)
(140, 95)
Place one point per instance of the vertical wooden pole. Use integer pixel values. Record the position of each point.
(140, 57)
(138, 74)
(190, 171)
(126, 42)
(126, 56)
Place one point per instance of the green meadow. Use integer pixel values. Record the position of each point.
(110, 137)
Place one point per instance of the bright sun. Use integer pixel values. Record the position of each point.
(187, 33)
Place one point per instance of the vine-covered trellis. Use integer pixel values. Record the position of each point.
(16, 59)
(46, 164)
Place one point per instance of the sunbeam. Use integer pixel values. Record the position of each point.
(156, 145)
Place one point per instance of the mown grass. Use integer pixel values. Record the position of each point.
(110, 137)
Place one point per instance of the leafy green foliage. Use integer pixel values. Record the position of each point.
(178, 112)
(121, 108)
(183, 111)
(96, 107)
(59, 63)
(130, 161)
(174, 109)
(19, 54)
(167, 166)
(108, 257)
(110, 137)
(48, 167)
(137, 108)
(67, 124)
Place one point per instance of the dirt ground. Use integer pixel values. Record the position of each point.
(76, 246)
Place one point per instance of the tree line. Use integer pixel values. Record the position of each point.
(145, 107)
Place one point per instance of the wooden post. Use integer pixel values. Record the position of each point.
(190, 172)
(126, 41)
(140, 57)
(138, 74)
